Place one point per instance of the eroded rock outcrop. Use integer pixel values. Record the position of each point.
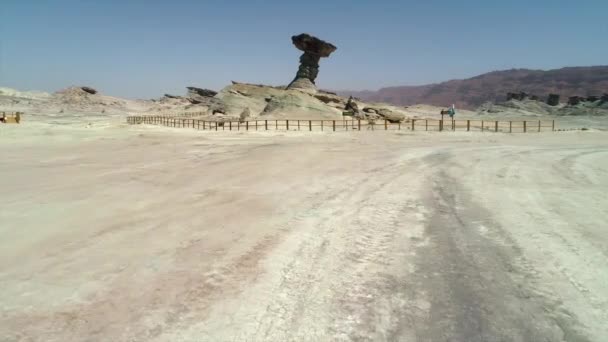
(194, 91)
(314, 49)
(574, 100)
(553, 99)
(390, 115)
(351, 106)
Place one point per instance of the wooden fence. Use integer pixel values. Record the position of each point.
(10, 117)
(525, 126)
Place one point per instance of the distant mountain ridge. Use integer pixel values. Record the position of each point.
(493, 86)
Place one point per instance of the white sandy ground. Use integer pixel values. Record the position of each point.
(142, 233)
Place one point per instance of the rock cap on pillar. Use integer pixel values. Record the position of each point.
(314, 45)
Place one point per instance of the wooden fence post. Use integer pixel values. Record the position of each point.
(216, 123)
(441, 125)
(482, 125)
(468, 125)
(298, 125)
(426, 124)
(266, 124)
(525, 126)
(385, 124)
(246, 125)
(321, 124)
(359, 124)
(310, 125)
(539, 125)
(334, 125)
(510, 126)
(230, 125)
(276, 125)
(496, 126)
(238, 125)
(553, 126)
(413, 124)
(287, 124)
(256, 125)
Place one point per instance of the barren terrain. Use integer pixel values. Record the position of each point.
(142, 233)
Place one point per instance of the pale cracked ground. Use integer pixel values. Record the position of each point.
(150, 234)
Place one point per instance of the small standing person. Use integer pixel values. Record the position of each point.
(451, 113)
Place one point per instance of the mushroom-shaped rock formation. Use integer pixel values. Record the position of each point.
(314, 48)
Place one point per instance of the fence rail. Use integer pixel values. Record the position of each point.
(524, 126)
(10, 117)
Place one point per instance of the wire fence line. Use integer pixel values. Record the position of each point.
(518, 126)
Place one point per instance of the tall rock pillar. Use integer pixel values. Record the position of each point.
(314, 49)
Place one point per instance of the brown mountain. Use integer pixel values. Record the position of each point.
(493, 86)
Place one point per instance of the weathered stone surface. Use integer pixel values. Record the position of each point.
(314, 49)
(390, 115)
(217, 108)
(553, 99)
(304, 85)
(244, 114)
(298, 105)
(370, 110)
(194, 91)
(173, 96)
(351, 106)
(237, 97)
(574, 100)
(257, 85)
(329, 98)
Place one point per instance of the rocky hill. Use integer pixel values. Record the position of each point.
(494, 86)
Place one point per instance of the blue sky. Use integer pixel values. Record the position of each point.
(143, 49)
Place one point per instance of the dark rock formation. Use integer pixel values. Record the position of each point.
(553, 99)
(218, 109)
(521, 96)
(173, 96)
(592, 98)
(351, 106)
(604, 98)
(194, 91)
(513, 96)
(327, 92)
(314, 49)
(89, 90)
(574, 100)
(328, 98)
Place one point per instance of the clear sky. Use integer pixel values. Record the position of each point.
(145, 48)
